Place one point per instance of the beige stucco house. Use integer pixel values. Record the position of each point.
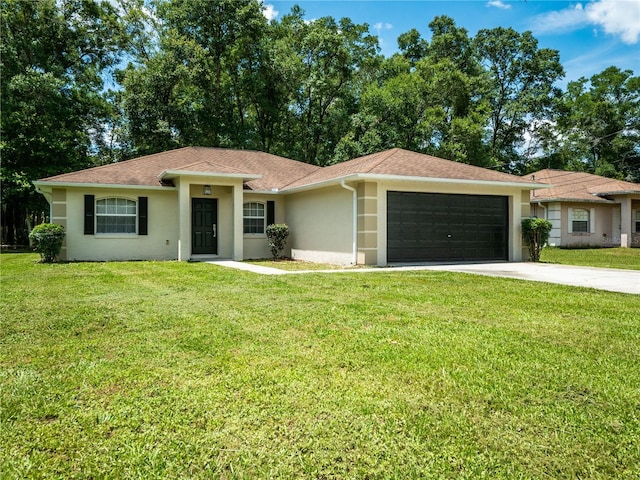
(587, 210)
(194, 203)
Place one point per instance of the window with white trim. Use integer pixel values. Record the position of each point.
(636, 221)
(254, 218)
(580, 220)
(116, 215)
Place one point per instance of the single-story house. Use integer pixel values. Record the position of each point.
(194, 203)
(587, 210)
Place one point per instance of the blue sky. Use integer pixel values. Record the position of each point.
(590, 35)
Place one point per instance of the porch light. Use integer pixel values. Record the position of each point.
(206, 190)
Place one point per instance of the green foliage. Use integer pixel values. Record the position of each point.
(535, 233)
(277, 235)
(47, 239)
(53, 105)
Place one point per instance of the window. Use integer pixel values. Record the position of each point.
(254, 218)
(580, 220)
(637, 221)
(116, 215)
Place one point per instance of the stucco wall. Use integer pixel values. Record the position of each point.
(602, 233)
(257, 246)
(161, 243)
(321, 225)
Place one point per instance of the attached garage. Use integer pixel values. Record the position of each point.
(425, 227)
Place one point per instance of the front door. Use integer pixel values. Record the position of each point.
(204, 226)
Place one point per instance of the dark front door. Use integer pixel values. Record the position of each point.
(204, 226)
(423, 227)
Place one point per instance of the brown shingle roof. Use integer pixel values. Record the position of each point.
(578, 186)
(145, 171)
(277, 172)
(406, 163)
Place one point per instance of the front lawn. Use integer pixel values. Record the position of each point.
(190, 370)
(626, 258)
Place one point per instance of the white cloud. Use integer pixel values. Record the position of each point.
(615, 17)
(498, 4)
(269, 11)
(382, 26)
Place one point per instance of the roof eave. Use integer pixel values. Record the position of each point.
(575, 200)
(405, 178)
(618, 192)
(54, 184)
(170, 174)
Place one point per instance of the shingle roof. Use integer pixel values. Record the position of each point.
(277, 172)
(578, 186)
(145, 171)
(406, 163)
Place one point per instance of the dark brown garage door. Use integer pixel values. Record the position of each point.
(426, 227)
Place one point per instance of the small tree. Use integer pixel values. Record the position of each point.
(277, 234)
(535, 233)
(47, 239)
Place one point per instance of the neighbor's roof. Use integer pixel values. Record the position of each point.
(578, 186)
(405, 163)
(266, 172)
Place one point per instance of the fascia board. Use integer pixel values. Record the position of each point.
(178, 173)
(403, 178)
(42, 183)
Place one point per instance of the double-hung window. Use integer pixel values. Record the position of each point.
(580, 220)
(116, 215)
(254, 218)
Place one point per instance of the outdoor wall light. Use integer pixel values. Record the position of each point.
(206, 190)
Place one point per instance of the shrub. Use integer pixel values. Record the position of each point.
(277, 234)
(535, 233)
(47, 239)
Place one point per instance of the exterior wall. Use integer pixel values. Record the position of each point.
(161, 243)
(517, 209)
(367, 243)
(59, 215)
(601, 232)
(257, 246)
(635, 235)
(321, 225)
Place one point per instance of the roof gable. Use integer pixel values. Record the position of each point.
(578, 186)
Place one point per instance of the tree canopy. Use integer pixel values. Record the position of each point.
(85, 82)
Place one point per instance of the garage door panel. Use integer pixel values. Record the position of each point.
(439, 227)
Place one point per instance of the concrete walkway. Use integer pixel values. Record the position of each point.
(614, 280)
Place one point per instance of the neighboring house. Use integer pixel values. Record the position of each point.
(194, 203)
(587, 210)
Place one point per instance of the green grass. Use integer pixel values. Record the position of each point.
(174, 370)
(625, 258)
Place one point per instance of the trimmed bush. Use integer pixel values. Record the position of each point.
(277, 234)
(47, 239)
(535, 233)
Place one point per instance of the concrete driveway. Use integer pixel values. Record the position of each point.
(611, 279)
(614, 280)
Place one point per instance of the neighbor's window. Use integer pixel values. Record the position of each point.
(637, 221)
(253, 218)
(115, 215)
(580, 220)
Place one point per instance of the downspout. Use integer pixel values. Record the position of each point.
(544, 208)
(354, 192)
